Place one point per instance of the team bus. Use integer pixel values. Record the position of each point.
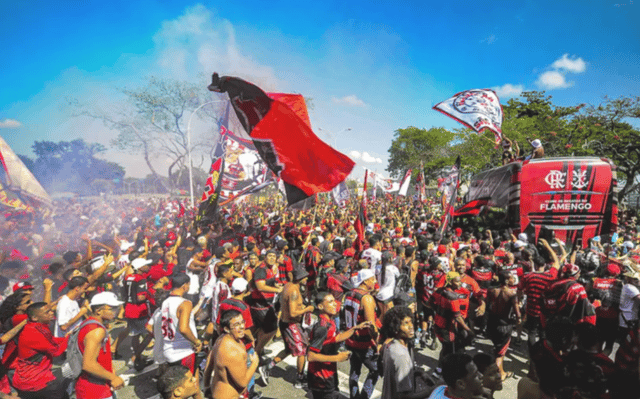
(573, 198)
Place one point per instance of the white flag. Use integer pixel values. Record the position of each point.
(404, 186)
(478, 109)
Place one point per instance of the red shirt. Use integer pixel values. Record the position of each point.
(10, 355)
(89, 386)
(36, 349)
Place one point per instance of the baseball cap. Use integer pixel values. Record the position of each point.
(22, 285)
(522, 237)
(442, 249)
(613, 269)
(124, 245)
(239, 285)
(519, 244)
(362, 276)
(570, 269)
(140, 262)
(105, 298)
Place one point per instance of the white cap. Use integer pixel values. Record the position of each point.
(96, 263)
(522, 237)
(124, 245)
(536, 143)
(362, 276)
(519, 244)
(239, 285)
(105, 298)
(140, 262)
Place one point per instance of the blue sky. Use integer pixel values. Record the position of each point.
(370, 66)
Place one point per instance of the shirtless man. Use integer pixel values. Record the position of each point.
(295, 338)
(503, 303)
(231, 375)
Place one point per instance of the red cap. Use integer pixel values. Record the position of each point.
(22, 286)
(570, 270)
(398, 230)
(458, 231)
(613, 269)
(349, 252)
(442, 249)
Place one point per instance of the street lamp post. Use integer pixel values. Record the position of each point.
(189, 146)
(335, 135)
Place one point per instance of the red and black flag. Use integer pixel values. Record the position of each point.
(450, 189)
(209, 205)
(361, 220)
(284, 140)
(472, 208)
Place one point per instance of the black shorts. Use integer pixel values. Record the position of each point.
(265, 318)
(499, 332)
(425, 311)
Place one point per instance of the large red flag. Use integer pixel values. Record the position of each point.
(285, 140)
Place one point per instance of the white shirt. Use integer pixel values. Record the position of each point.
(175, 346)
(389, 284)
(194, 286)
(629, 304)
(66, 310)
(158, 346)
(373, 257)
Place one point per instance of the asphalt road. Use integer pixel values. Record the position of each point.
(142, 385)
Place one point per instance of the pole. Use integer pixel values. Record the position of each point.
(189, 147)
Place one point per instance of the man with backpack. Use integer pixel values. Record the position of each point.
(97, 379)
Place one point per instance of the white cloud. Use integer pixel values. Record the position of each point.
(378, 160)
(553, 80)
(355, 154)
(10, 123)
(489, 40)
(576, 65)
(556, 77)
(199, 42)
(367, 158)
(351, 100)
(508, 90)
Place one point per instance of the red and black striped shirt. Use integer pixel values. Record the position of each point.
(534, 285)
(323, 376)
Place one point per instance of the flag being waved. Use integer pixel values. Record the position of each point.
(209, 205)
(477, 109)
(449, 193)
(284, 139)
(404, 185)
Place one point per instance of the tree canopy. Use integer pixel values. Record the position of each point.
(71, 165)
(603, 130)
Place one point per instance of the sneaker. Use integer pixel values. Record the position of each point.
(264, 374)
(255, 395)
(300, 384)
(437, 374)
(140, 364)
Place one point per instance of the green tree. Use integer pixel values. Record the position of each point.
(412, 146)
(72, 165)
(153, 120)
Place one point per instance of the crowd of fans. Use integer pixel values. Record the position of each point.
(84, 279)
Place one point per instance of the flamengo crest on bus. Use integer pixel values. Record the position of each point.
(558, 180)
